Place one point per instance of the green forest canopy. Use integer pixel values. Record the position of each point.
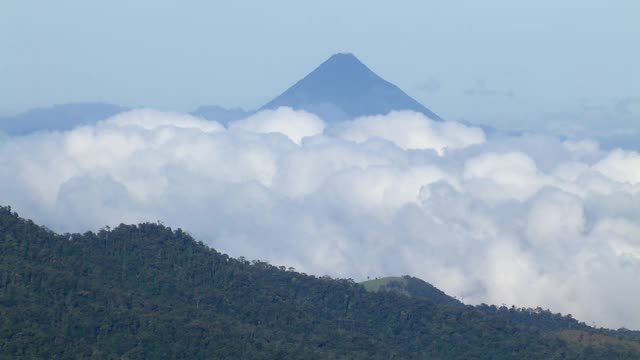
(147, 291)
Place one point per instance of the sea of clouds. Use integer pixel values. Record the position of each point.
(529, 219)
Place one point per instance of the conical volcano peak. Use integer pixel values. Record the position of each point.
(343, 59)
(342, 88)
(343, 55)
(343, 66)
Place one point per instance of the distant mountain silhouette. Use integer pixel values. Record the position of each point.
(58, 117)
(343, 87)
(220, 114)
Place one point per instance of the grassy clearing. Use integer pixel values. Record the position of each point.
(375, 284)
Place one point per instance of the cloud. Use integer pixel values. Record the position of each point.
(412, 130)
(503, 176)
(150, 119)
(528, 220)
(296, 125)
(622, 166)
(554, 218)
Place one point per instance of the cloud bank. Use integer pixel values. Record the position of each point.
(527, 220)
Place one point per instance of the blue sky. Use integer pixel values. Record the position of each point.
(498, 62)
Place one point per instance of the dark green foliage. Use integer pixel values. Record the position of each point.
(148, 292)
(542, 319)
(548, 321)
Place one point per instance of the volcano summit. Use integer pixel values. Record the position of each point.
(343, 87)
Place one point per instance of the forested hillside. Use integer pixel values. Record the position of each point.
(149, 292)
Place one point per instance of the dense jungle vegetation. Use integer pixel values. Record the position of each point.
(149, 292)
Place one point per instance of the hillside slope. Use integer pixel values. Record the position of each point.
(147, 291)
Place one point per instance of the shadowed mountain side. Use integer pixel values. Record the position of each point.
(58, 117)
(343, 87)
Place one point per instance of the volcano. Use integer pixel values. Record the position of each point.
(343, 87)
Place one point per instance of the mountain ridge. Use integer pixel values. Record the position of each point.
(59, 117)
(147, 291)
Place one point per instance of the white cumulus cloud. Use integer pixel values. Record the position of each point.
(412, 130)
(296, 125)
(527, 220)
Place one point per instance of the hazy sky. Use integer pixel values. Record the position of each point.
(491, 61)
